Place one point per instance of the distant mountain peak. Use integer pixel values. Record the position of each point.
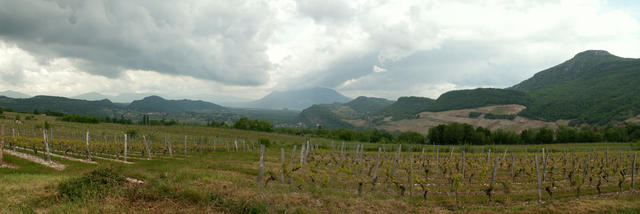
(14, 94)
(153, 97)
(593, 53)
(299, 99)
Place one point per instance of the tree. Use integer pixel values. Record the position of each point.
(412, 138)
(544, 136)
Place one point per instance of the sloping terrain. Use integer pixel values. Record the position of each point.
(298, 99)
(427, 120)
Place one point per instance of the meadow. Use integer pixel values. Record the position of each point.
(192, 169)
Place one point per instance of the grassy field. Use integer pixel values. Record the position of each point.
(328, 181)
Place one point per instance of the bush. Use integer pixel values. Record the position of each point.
(96, 183)
(264, 141)
(474, 114)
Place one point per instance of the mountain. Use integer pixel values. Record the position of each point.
(14, 94)
(62, 104)
(159, 104)
(344, 115)
(473, 98)
(406, 107)
(91, 96)
(594, 87)
(298, 99)
(120, 98)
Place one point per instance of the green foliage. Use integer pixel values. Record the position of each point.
(217, 124)
(463, 99)
(79, 119)
(256, 125)
(323, 115)
(132, 133)
(412, 138)
(474, 114)
(97, 183)
(590, 88)
(406, 107)
(264, 141)
(500, 116)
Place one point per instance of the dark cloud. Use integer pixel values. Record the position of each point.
(222, 41)
(326, 10)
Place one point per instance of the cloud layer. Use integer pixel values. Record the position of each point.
(210, 49)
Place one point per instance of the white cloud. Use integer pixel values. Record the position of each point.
(248, 48)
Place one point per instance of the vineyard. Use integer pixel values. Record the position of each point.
(201, 169)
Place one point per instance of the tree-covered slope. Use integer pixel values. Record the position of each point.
(366, 105)
(463, 99)
(159, 104)
(322, 115)
(299, 99)
(62, 104)
(594, 87)
(406, 107)
(334, 115)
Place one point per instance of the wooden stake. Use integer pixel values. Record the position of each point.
(2, 145)
(125, 147)
(46, 144)
(282, 157)
(261, 169)
(375, 171)
(88, 151)
(463, 165)
(633, 169)
(493, 176)
(146, 147)
(302, 155)
(539, 178)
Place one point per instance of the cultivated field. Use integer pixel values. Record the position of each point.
(187, 169)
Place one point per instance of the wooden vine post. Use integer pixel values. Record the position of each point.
(539, 178)
(171, 150)
(185, 145)
(302, 155)
(410, 175)
(261, 169)
(375, 171)
(125, 147)
(282, 157)
(493, 177)
(88, 148)
(633, 169)
(463, 165)
(46, 144)
(146, 147)
(2, 145)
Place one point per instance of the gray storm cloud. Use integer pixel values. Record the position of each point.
(222, 41)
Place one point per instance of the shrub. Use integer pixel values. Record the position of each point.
(96, 183)
(474, 114)
(264, 141)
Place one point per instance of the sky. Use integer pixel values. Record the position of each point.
(229, 51)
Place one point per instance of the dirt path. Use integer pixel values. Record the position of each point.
(98, 157)
(36, 159)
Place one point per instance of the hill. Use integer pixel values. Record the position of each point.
(594, 87)
(62, 104)
(406, 107)
(344, 115)
(298, 99)
(159, 104)
(14, 94)
(91, 96)
(463, 99)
